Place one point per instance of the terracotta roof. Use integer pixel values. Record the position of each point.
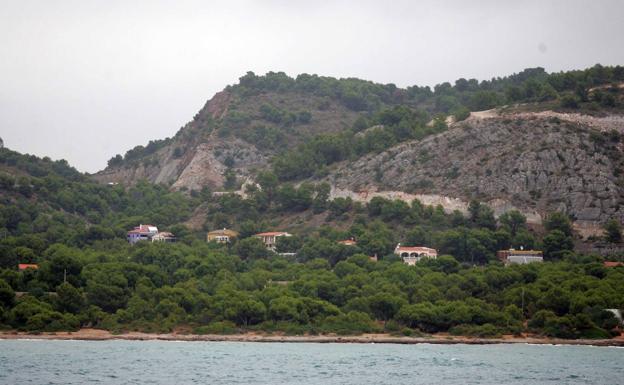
(348, 242)
(24, 266)
(144, 229)
(271, 233)
(417, 248)
(613, 264)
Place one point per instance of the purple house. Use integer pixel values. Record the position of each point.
(142, 233)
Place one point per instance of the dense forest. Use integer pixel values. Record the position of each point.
(89, 276)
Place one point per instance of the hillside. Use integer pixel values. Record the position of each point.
(88, 275)
(237, 131)
(43, 202)
(534, 141)
(535, 162)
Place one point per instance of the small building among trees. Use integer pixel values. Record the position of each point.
(221, 236)
(348, 242)
(142, 233)
(164, 236)
(412, 255)
(24, 266)
(520, 256)
(270, 238)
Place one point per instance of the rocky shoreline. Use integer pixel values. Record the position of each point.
(103, 335)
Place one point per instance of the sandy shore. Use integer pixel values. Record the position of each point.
(102, 335)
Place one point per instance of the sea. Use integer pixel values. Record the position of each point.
(175, 363)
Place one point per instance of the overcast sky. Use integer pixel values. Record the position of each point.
(84, 80)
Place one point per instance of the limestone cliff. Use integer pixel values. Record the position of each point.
(524, 156)
(535, 162)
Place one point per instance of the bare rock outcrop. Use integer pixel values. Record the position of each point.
(533, 163)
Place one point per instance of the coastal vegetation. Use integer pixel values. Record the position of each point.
(88, 274)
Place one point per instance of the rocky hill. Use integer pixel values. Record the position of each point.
(236, 132)
(534, 162)
(557, 148)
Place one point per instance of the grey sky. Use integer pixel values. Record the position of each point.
(85, 80)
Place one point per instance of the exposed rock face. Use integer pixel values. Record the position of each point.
(449, 204)
(195, 157)
(536, 162)
(195, 163)
(203, 165)
(204, 149)
(531, 162)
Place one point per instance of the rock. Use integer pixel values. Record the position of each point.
(527, 164)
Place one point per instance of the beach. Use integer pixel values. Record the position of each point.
(88, 334)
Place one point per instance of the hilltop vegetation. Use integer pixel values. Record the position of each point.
(363, 137)
(275, 112)
(90, 276)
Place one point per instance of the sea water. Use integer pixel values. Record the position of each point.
(172, 363)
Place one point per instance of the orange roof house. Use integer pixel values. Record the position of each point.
(24, 266)
(613, 264)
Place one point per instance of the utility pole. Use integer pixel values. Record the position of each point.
(64, 275)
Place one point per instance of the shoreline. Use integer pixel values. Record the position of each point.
(441, 339)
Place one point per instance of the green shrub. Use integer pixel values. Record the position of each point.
(354, 322)
(219, 327)
(461, 113)
(569, 101)
(392, 326)
(481, 331)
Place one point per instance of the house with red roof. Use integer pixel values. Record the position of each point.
(613, 264)
(412, 255)
(24, 266)
(270, 238)
(142, 233)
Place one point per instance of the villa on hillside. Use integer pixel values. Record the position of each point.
(270, 238)
(520, 257)
(412, 255)
(142, 233)
(221, 236)
(24, 266)
(348, 242)
(164, 236)
(149, 233)
(613, 264)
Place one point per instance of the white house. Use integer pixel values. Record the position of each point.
(142, 233)
(270, 238)
(412, 255)
(520, 257)
(165, 236)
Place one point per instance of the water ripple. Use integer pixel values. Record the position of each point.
(162, 362)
